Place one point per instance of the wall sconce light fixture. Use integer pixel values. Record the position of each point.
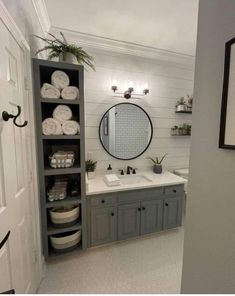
(129, 92)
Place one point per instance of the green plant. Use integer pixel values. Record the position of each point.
(57, 47)
(157, 160)
(90, 165)
(180, 102)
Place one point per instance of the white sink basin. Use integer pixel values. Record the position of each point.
(134, 179)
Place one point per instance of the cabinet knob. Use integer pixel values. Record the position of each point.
(166, 204)
(174, 190)
(112, 214)
(143, 208)
(103, 201)
(139, 209)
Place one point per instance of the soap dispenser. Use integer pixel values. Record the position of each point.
(109, 170)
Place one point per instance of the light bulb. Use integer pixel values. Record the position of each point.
(131, 84)
(146, 86)
(114, 82)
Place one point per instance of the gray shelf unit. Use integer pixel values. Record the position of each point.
(42, 70)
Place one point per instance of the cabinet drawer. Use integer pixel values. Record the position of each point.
(103, 200)
(174, 190)
(139, 195)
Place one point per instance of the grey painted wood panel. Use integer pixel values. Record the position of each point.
(129, 220)
(151, 216)
(138, 195)
(172, 212)
(103, 225)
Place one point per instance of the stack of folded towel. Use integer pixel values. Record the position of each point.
(112, 180)
(59, 87)
(61, 122)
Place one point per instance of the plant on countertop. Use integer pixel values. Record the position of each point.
(59, 47)
(157, 160)
(90, 165)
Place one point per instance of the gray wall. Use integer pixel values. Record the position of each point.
(209, 251)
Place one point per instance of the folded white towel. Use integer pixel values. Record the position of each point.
(51, 126)
(71, 127)
(59, 79)
(112, 180)
(62, 113)
(70, 93)
(49, 91)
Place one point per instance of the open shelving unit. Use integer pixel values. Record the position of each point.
(46, 145)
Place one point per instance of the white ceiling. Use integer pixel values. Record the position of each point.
(164, 24)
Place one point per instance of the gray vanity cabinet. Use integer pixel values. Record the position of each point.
(151, 216)
(172, 212)
(129, 220)
(103, 225)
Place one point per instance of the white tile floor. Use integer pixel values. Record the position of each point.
(151, 264)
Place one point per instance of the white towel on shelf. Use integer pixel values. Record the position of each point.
(70, 93)
(51, 126)
(71, 127)
(62, 113)
(112, 180)
(59, 79)
(49, 91)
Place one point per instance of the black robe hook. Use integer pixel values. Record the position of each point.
(6, 116)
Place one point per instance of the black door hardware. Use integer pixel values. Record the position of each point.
(2, 243)
(6, 116)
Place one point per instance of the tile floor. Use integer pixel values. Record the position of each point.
(151, 264)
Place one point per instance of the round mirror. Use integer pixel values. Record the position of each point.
(125, 131)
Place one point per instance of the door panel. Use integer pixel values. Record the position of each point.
(172, 212)
(103, 225)
(151, 216)
(15, 212)
(129, 220)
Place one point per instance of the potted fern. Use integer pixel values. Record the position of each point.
(157, 167)
(70, 53)
(90, 168)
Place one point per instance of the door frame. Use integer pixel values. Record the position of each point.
(27, 90)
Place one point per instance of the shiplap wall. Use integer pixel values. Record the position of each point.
(167, 82)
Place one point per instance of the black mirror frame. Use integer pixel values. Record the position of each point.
(150, 140)
(227, 58)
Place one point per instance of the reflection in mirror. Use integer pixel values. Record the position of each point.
(125, 131)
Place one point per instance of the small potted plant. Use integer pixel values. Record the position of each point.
(90, 168)
(181, 106)
(157, 167)
(65, 52)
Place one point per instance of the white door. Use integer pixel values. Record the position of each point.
(17, 258)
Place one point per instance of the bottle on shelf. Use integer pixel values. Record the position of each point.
(109, 170)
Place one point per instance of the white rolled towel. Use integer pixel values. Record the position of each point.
(59, 79)
(49, 91)
(62, 113)
(70, 93)
(51, 126)
(71, 127)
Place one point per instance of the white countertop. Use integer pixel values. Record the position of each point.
(97, 185)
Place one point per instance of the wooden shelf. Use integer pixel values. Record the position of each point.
(63, 171)
(185, 112)
(60, 101)
(61, 137)
(181, 135)
(53, 230)
(67, 201)
(53, 254)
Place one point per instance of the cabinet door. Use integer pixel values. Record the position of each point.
(151, 216)
(172, 212)
(103, 225)
(129, 220)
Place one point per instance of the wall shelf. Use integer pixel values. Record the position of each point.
(184, 112)
(47, 145)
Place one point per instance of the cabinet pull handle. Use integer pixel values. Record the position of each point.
(112, 214)
(143, 208)
(103, 201)
(174, 190)
(139, 209)
(166, 204)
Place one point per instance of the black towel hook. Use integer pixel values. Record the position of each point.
(6, 116)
